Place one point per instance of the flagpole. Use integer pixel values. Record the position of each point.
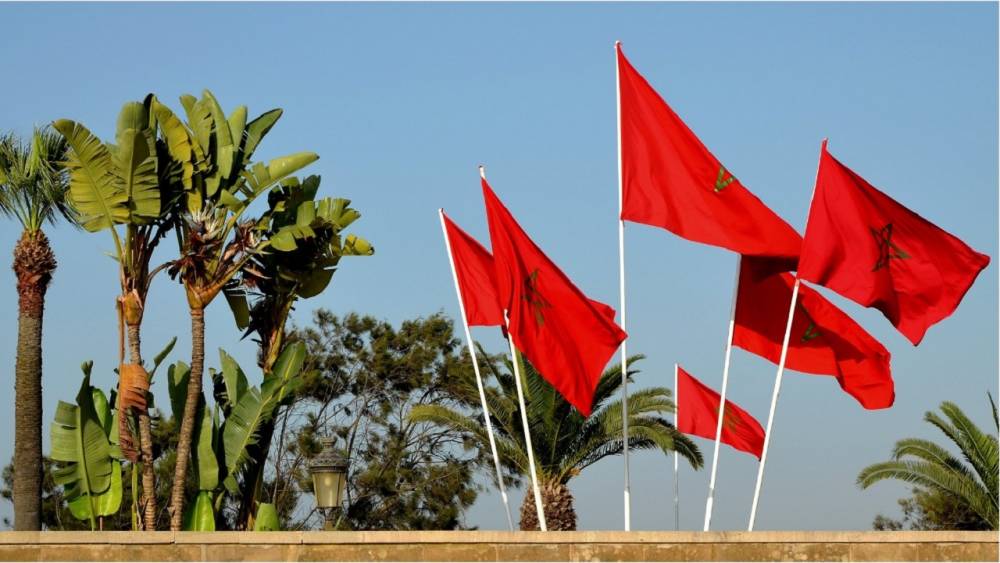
(781, 368)
(527, 432)
(621, 285)
(774, 402)
(479, 379)
(722, 396)
(677, 497)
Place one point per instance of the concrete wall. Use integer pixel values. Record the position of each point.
(490, 546)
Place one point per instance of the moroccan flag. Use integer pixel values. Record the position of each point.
(566, 336)
(867, 247)
(823, 340)
(671, 181)
(474, 269)
(698, 415)
(476, 278)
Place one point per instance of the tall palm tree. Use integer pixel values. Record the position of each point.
(931, 466)
(565, 443)
(32, 191)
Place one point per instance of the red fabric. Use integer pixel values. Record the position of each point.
(823, 340)
(566, 336)
(698, 415)
(867, 247)
(670, 180)
(475, 272)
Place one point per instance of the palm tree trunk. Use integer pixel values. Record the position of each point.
(557, 503)
(34, 264)
(146, 441)
(187, 422)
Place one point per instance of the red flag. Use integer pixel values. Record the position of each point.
(474, 269)
(476, 275)
(567, 337)
(823, 340)
(698, 415)
(670, 180)
(867, 247)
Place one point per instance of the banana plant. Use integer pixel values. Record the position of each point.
(307, 240)
(219, 180)
(228, 431)
(87, 463)
(127, 189)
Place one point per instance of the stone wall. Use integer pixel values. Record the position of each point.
(491, 546)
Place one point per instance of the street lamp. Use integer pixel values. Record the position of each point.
(328, 470)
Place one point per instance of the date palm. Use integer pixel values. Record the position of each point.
(33, 192)
(565, 443)
(972, 482)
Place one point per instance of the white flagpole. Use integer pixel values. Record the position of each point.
(781, 369)
(527, 432)
(677, 496)
(774, 402)
(621, 285)
(479, 379)
(722, 397)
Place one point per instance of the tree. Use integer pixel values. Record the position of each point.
(218, 182)
(307, 241)
(127, 183)
(565, 443)
(944, 480)
(33, 192)
(363, 378)
(931, 509)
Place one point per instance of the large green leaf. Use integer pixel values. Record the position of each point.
(267, 518)
(181, 147)
(82, 452)
(262, 177)
(135, 169)
(177, 383)
(233, 377)
(287, 368)
(200, 515)
(255, 131)
(158, 359)
(94, 191)
(242, 429)
(205, 463)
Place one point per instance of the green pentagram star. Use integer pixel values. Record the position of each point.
(721, 181)
(810, 332)
(535, 299)
(887, 250)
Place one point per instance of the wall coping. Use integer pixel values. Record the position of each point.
(494, 537)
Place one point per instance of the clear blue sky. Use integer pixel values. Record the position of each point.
(403, 101)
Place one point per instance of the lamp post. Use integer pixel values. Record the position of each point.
(328, 470)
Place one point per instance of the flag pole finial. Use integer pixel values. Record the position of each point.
(482, 171)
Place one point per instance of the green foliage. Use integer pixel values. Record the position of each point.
(362, 376)
(937, 472)
(90, 475)
(931, 509)
(267, 518)
(33, 180)
(565, 443)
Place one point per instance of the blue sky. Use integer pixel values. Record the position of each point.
(403, 101)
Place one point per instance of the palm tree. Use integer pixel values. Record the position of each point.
(565, 443)
(32, 191)
(929, 465)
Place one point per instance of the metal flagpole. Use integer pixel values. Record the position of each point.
(781, 369)
(722, 396)
(677, 497)
(527, 433)
(774, 402)
(479, 379)
(621, 284)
